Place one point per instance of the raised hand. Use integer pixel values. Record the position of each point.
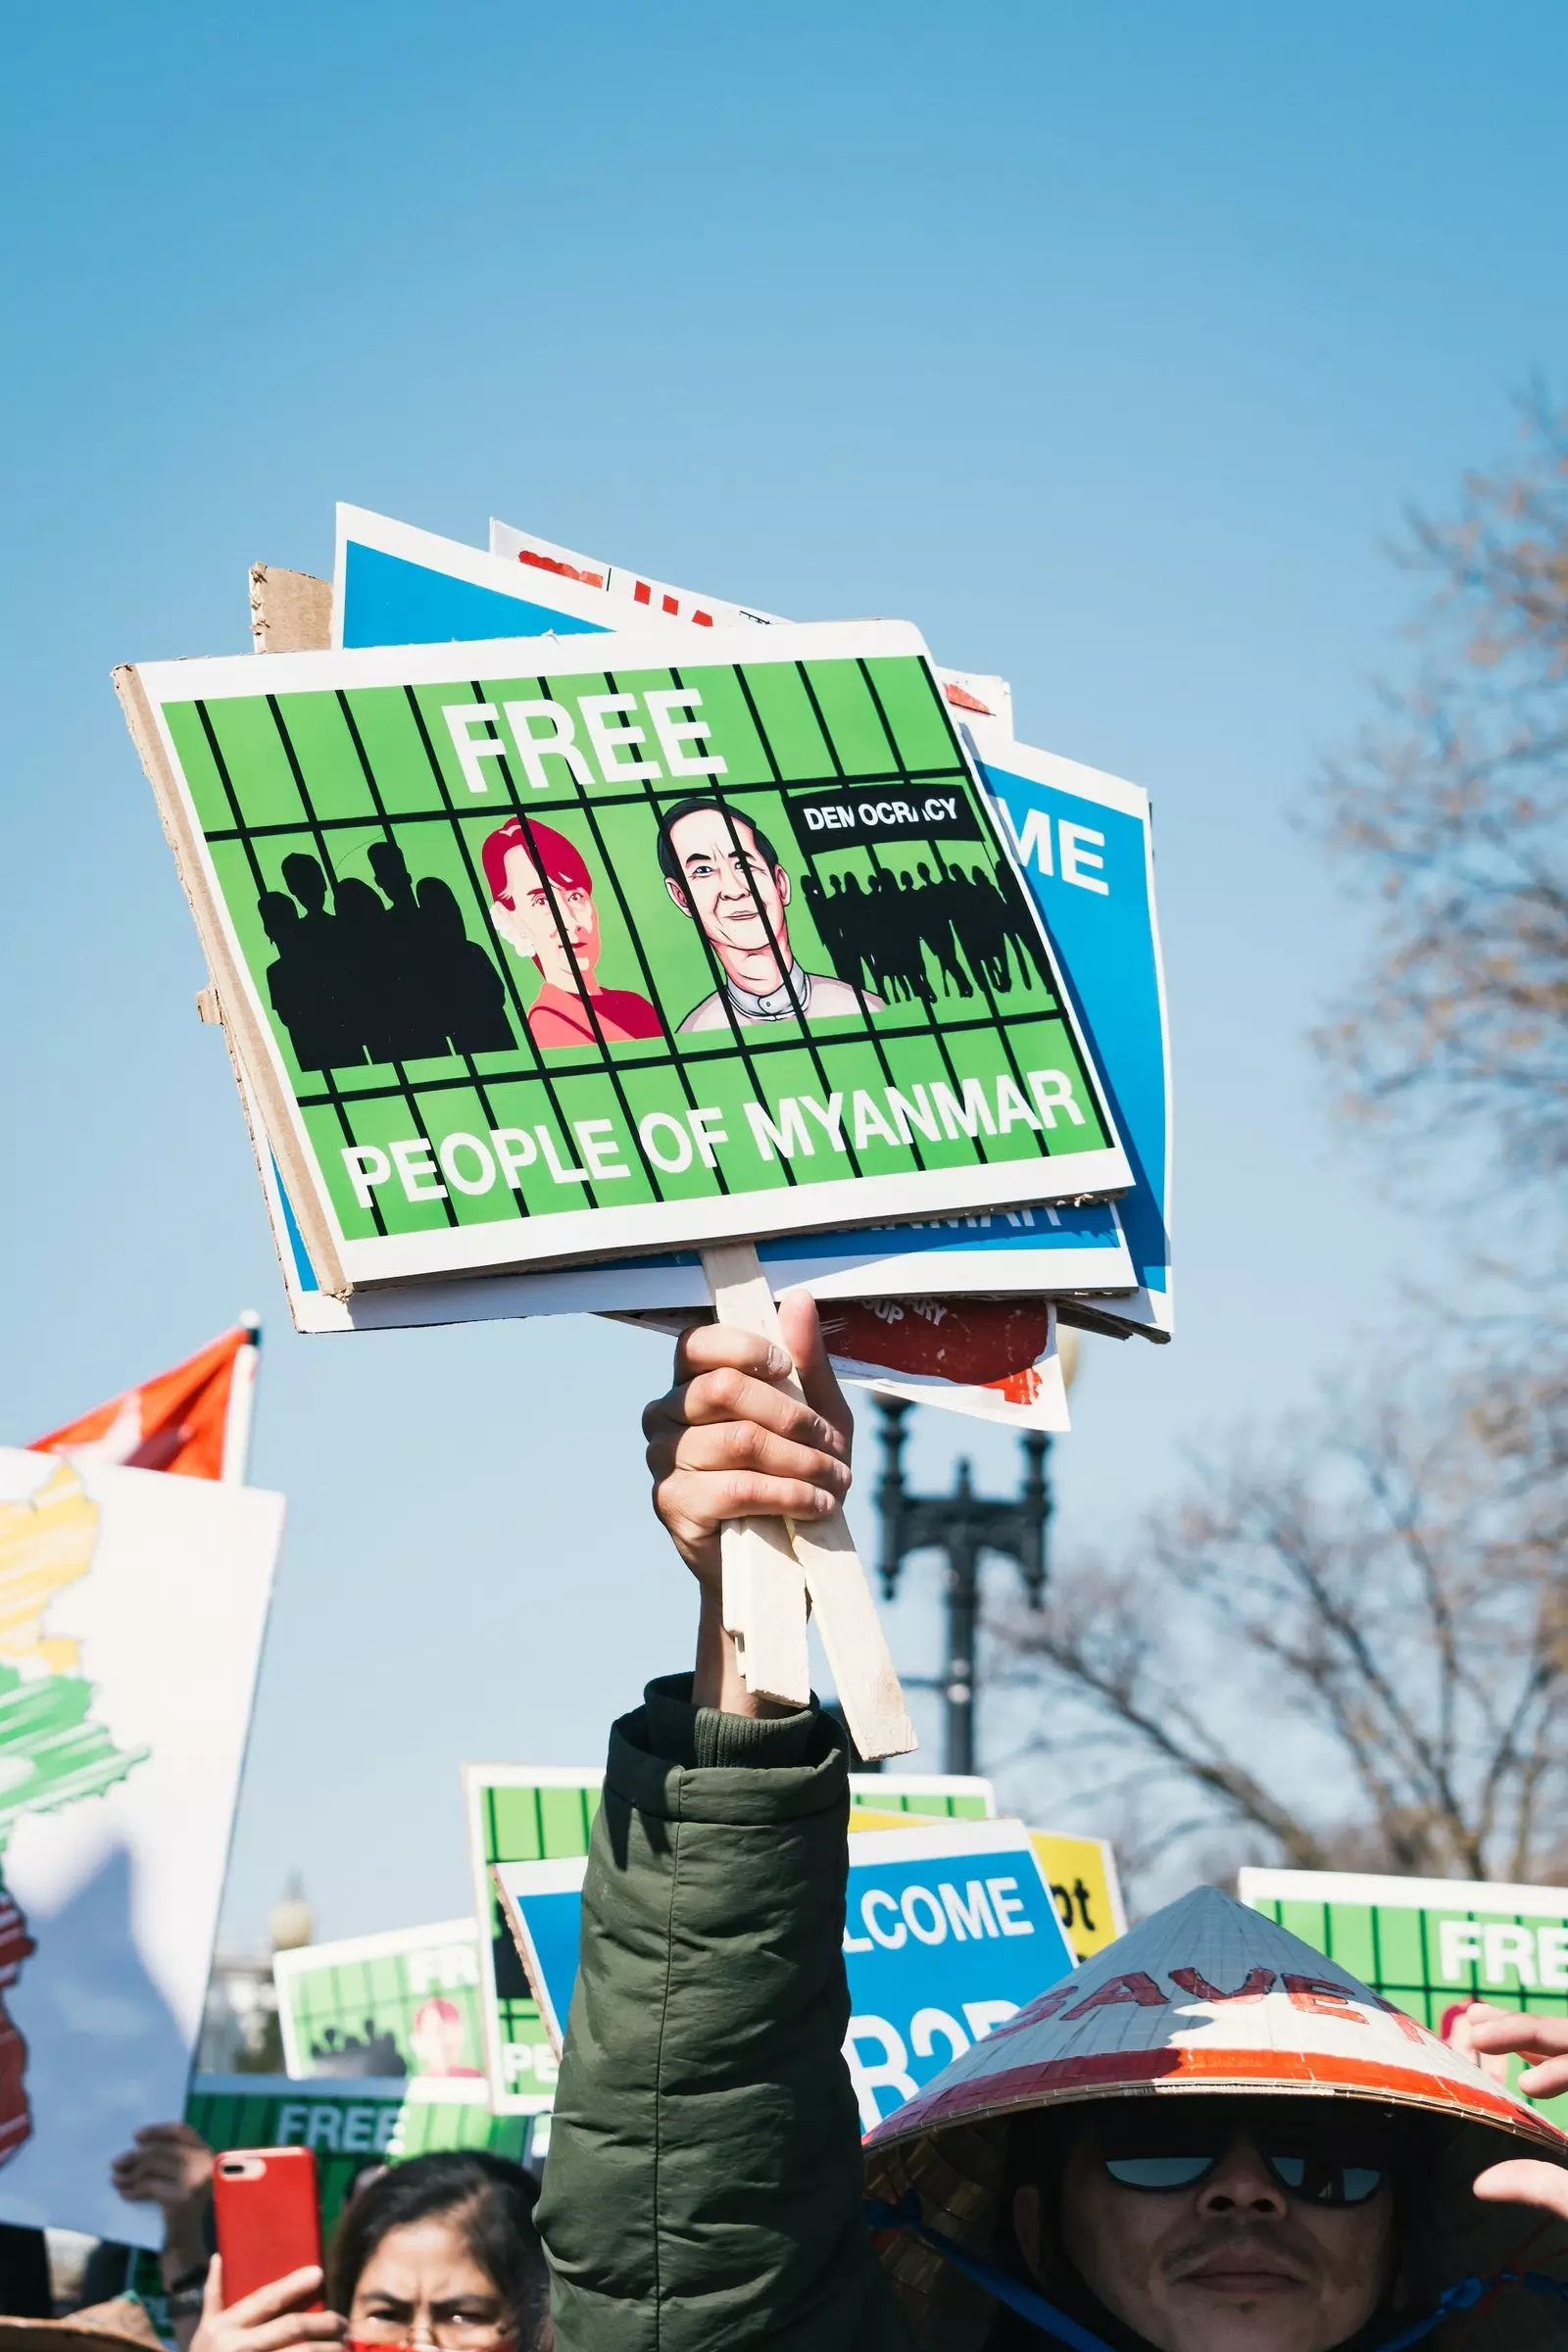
(171, 2166)
(1523, 2179)
(727, 1443)
(272, 2320)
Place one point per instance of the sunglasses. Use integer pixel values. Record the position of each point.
(1321, 2176)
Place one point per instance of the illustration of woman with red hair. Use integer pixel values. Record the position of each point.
(542, 897)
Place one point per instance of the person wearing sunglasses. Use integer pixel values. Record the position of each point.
(1069, 2180)
(437, 2254)
(1215, 2222)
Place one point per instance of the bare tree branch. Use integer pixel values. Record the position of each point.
(1388, 1606)
(1450, 816)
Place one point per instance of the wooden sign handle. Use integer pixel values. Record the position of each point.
(763, 1582)
(772, 1565)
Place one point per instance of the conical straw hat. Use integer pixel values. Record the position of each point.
(100, 2328)
(1210, 1997)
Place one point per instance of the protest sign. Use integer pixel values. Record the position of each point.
(133, 1606)
(387, 590)
(626, 596)
(995, 1360)
(403, 2002)
(628, 1287)
(1083, 843)
(950, 1929)
(1093, 877)
(1081, 1873)
(519, 1813)
(350, 2123)
(543, 1813)
(1432, 1945)
(394, 585)
(629, 595)
(510, 1118)
(1106, 912)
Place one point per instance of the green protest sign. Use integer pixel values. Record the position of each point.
(532, 960)
(349, 2123)
(1432, 1945)
(519, 1813)
(403, 2002)
(544, 1813)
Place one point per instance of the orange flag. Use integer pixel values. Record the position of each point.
(194, 1420)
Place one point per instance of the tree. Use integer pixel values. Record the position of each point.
(1450, 814)
(1346, 1651)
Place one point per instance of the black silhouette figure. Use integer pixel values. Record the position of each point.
(411, 987)
(343, 2055)
(825, 916)
(297, 1006)
(363, 944)
(934, 915)
(316, 971)
(853, 933)
(391, 979)
(979, 917)
(895, 939)
(1024, 935)
(473, 996)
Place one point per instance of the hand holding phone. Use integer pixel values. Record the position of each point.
(267, 2217)
(264, 2291)
(284, 2317)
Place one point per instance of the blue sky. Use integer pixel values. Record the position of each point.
(1107, 343)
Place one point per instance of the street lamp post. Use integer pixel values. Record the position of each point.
(965, 1526)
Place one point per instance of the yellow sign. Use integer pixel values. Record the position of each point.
(1082, 1872)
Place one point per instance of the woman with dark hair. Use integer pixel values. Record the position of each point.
(440, 2253)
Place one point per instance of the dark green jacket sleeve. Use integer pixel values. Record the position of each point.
(703, 2186)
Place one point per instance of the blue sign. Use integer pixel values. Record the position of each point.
(1083, 842)
(949, 1929)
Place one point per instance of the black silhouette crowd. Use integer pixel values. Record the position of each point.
(346, 2054)
(880, 934)
(392, 977)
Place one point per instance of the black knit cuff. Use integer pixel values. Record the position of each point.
(700, 1737)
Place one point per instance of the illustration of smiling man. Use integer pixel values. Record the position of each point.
(725, 874)
(542, 904)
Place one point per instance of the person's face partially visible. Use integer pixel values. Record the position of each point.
(724, 881)
(421, 2286)
(436, 2039)
(536, 930)
(1230, 2265)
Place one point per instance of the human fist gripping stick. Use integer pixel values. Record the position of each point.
(727, 1442)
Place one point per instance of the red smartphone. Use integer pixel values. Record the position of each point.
(268, 2218)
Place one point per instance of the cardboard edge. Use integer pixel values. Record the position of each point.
(246, 1049)
(291, 611)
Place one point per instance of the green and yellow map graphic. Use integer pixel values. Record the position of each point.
(51, 1750)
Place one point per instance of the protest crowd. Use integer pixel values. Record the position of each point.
(815, 980)
(706, 2183)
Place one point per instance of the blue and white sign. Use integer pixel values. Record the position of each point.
(1083, 841)
(395, 585)
(948, 1932)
